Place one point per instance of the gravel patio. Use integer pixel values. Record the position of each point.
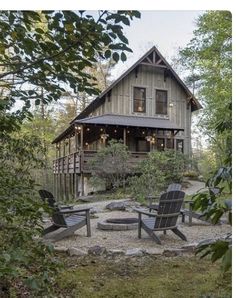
(128, 239)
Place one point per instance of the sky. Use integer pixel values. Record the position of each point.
(168, 30)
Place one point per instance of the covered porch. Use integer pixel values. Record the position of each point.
(81, 141)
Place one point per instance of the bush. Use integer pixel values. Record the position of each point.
(26, 264)
(110, 165)
(157, 172)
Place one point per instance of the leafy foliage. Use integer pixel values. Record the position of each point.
(209, 56)
(110, 165)
(45, 52)
(53, 50)
(214, 208)
(156, 172)
(23, 256)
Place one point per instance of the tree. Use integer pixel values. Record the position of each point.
(209, 58)
(210, 55)
(56, 54)
(49, 51)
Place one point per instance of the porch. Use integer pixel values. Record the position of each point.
(78, 162)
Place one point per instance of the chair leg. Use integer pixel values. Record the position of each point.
(180, 234)
(151, 234)
(139, 226)
(88, 224)
(50, 229)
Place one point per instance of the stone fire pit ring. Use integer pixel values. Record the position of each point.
(118, 224)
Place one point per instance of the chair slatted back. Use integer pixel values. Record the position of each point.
(57, 218)
(169, 209)
(48, 197)
(174, 186)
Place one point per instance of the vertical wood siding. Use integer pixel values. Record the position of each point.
(151, 78)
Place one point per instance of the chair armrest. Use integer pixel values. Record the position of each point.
(71, 211)
(141, 211)
(66, 206)
(155, 215)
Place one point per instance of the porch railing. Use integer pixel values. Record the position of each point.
(77, 162)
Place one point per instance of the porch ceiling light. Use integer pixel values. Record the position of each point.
(77, 128)
(104, 136)
(149, 138)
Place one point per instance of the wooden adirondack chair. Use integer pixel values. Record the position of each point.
(165, 218)
(171, 187)
(48, 197)
(76, 219)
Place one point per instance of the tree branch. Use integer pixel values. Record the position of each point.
(51, 57)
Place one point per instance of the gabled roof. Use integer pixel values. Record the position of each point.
(152, 57)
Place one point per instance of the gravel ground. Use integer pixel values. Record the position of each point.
(124, 240)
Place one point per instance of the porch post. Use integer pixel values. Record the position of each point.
(82, 138)
(81, 159)
(124, 136)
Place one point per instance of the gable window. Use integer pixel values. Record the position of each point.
(161, 102)
(139, 100)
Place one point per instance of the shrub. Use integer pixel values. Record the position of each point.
(25, 262)
(110, 165)
(157, 172)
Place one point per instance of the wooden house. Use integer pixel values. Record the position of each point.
(148, 108)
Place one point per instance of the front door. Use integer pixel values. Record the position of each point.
(142, 145)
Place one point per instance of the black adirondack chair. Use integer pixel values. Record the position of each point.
(165, 218)
(75, 219)
(48, 197)
(65, 216)
(171, 187)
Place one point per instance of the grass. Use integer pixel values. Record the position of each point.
(142, 277)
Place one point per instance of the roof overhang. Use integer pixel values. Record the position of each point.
(123, 121)
(130, 121)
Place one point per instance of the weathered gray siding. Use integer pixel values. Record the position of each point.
(152, 78)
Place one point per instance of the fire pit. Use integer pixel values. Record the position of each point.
(118, 224)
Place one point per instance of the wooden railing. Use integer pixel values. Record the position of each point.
(78, 162)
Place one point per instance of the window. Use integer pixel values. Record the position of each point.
(170, 143)
(180, 145)
(161, 102)
(139, 100)
(160, 144)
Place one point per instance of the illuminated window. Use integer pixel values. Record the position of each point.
(139, 100)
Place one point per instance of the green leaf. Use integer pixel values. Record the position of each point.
(115, 57)
(123, 57)
(107, 54)
(37, 102)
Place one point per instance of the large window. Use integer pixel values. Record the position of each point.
(139, 100)
(161, 102)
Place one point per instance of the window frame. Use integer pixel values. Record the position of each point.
(156, 112)
(181, 148)
(145, 101)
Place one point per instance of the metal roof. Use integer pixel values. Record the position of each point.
(123, 120)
